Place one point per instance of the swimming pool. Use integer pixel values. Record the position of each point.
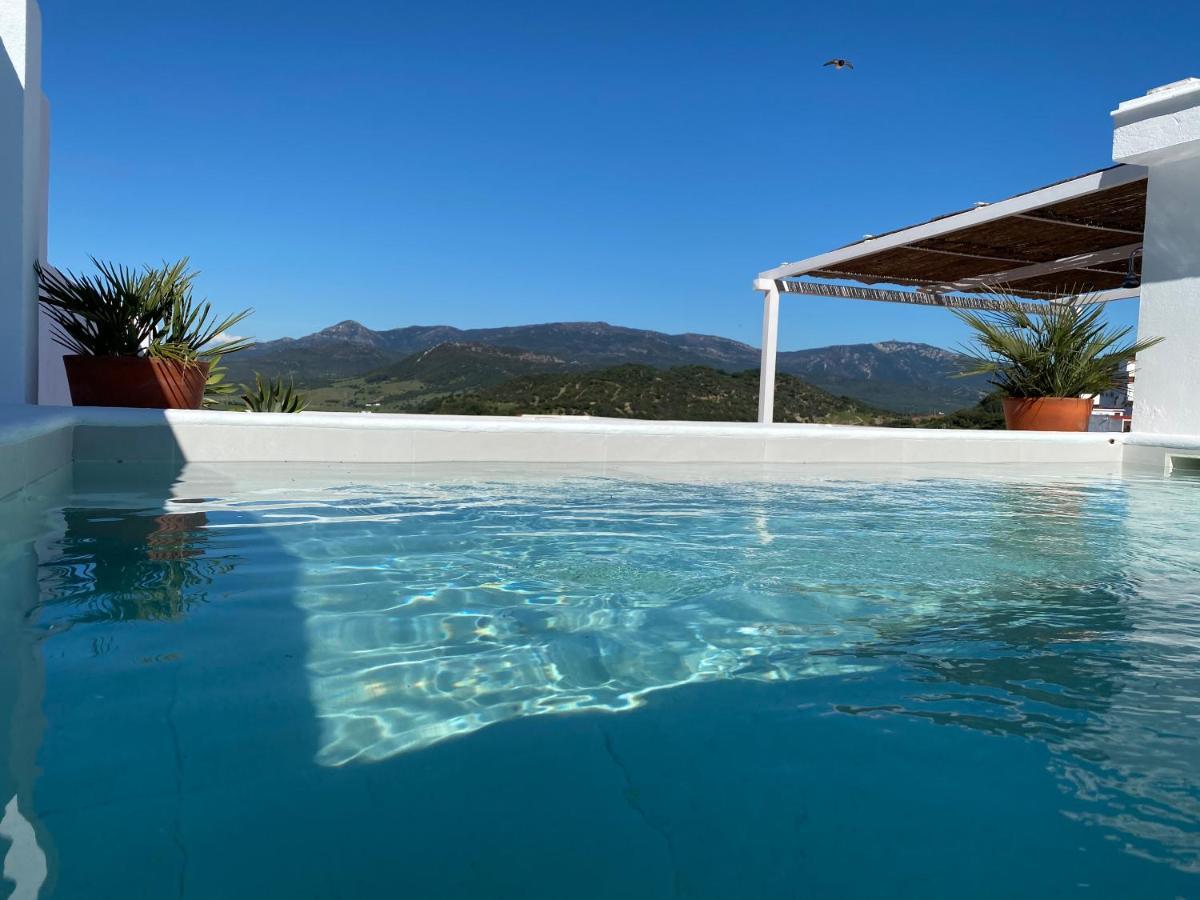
(355, 682)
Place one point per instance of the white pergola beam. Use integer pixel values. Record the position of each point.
(1034, 200)
(1054, 220)
(962, 255)
(1114, 294)
(1066, 264)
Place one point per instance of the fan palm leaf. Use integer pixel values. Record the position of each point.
(121, 311)
(1067, 350)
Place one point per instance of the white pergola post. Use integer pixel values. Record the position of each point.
(770, 346)
(1162, 132)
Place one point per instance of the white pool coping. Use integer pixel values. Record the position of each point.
(37, 440)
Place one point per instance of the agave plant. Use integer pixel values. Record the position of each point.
(272, 395)
(1065, 350)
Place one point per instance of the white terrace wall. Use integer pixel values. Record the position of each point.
(24, 172)
(1162, 131)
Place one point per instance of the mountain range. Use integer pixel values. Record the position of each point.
(349, 358)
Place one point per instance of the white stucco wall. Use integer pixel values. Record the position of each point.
(24, 172)
(1168, 376)
(52, 375)
(1162, 132)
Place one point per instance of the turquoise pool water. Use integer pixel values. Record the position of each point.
(358, 683)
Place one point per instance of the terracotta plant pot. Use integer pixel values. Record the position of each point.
(1047, 413)
(135, 381)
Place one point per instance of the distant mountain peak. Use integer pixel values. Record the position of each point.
(347, 328)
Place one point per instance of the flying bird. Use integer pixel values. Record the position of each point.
(840, 64)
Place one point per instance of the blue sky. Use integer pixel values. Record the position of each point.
(480, 164)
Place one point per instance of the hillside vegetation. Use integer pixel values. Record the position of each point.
(443, 369)
(697, 393)
(459, 366)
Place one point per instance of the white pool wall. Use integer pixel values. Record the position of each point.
(35, 441)
(1159, 452)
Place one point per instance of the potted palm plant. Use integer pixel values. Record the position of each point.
(136, 337)
(1049, 364)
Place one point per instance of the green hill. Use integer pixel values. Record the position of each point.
(695, 393)
(465, 366)
(444, 369)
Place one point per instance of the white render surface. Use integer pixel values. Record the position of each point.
(1162, 126)
(1153, 452)
(1162, 132)
(200, 436)
(35, 441)
(24, 173)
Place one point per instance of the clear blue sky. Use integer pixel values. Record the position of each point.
(481, 164)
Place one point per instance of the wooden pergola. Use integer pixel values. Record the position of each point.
(1077, 237)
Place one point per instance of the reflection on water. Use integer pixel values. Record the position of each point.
(1065, 667)
(124, 564)
(25, 862)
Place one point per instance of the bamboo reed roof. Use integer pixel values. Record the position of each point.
(1070, 237)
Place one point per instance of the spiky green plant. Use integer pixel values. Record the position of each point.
(191, 330)
(272, 395)
(1063, 351)
(115, 312)
(123, 311)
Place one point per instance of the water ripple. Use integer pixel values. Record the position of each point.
(1061, 611)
